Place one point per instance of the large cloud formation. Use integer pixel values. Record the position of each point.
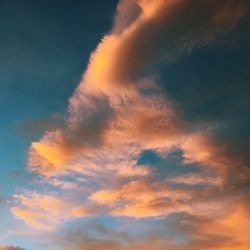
(118, 112)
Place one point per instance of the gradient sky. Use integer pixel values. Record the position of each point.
(125, 125)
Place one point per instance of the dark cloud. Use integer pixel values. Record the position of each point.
(34, 128)
(97, 237)
(127, 12)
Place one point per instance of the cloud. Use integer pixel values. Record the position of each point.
(41, 212)
(142, 199)
(33, 128)
(162, 32)
(109, 100)
(206, 150)
(119, 111)
(82, 238)
(208, 232)
(228, 231)
(45, 212)
(136, 127)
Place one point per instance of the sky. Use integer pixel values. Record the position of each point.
(124, 125)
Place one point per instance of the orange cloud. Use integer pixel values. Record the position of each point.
(111, 83)
(48, 155)
(141, 199)
(118, 111)
(233, 228)
(108, 100)
(46, 212)
(229, 231)
(32, 218)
